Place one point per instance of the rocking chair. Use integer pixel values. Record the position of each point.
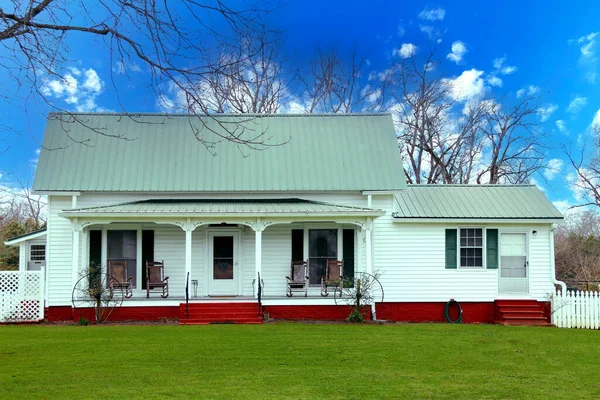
(156, 279)
(298, 279)
(118, 278)
(334, 276)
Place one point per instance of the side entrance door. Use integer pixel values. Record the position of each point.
(223, 263)
(514, 266)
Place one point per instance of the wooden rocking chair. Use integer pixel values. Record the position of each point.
(118, 278)
(156, 279)
(298, 279)
(334, 277)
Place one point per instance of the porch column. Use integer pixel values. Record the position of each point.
(258, 230)
(188, 252)
(369, 256)
(76, 230)
(369, 243)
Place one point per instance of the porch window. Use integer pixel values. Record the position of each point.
(122, 246)
(322, 246)
(38, 252)
(471, 247)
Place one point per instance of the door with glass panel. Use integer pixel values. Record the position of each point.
(223, 263)
(513, 263)
(322, 246)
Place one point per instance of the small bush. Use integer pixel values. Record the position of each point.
(355, 316)
(83, 322)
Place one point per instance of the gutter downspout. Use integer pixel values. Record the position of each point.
(552, 262)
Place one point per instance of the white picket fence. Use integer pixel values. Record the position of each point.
(21, 296)
(576, 309)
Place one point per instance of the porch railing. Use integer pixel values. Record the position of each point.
(187, 295)
(259, 295)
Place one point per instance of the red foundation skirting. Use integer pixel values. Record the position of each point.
(66, 313)
(473, 312)
(322, 313)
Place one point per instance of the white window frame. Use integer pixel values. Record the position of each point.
(483, 248)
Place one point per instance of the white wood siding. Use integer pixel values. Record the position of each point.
(59, 253)
(410, 257)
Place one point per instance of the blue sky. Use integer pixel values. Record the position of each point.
(540, 46)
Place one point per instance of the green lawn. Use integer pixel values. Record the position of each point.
(285, 360)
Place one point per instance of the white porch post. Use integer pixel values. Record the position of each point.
(76, 228)
(258, 230)
(369, 251)
(188, 251)
(369, 256)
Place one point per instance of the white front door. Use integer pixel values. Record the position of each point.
(223, 263)
(514, 266)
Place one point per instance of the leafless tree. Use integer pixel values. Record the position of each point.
(333, 85)
(577, 250)
(20, 205)
(172, 40)
(587, 168)
(252, 79)
(423, 100)
(514, 142)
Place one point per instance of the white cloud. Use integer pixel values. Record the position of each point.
(577, 104)
(407, 50)
(588, 59)
(529, 91)
(432, 32)
(78, 88)
(495, 81)
(596, 121)
(458, 51)
(501, 67)
(554, 168)
(433, 14)
(467, 86)
(562, 205)
(401, 31)
(562, 127)
(587, 43)
(545, 112)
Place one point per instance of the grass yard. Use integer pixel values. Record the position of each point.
(285, 360)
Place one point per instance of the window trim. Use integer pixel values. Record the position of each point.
(483, 248)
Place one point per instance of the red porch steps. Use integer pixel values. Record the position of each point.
(219, 313)
(520, 312)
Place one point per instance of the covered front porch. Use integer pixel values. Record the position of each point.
(218, 249)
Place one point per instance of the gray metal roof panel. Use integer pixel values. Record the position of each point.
(475, 202)
(160, 153)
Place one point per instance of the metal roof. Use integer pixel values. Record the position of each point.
(160, 152)
(192, 207)
(27, 236)
(475, 202)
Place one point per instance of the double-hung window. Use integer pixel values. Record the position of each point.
(471, 247)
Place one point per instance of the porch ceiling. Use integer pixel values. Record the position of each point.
(220, 208)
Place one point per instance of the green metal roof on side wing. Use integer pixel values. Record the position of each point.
(524, 202)
(160, 153)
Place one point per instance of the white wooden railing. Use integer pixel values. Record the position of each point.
(576, 309)
(21, 296)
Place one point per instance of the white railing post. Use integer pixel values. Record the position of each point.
(42, 283)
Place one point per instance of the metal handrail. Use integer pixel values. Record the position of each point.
(187, 296)
(259, 295)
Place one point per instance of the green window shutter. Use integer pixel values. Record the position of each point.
(297, 245)
(451, 244)
(492, 248)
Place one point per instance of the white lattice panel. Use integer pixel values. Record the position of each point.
(21, 296)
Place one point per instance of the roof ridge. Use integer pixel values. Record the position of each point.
(221, 115)
(473, 185)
